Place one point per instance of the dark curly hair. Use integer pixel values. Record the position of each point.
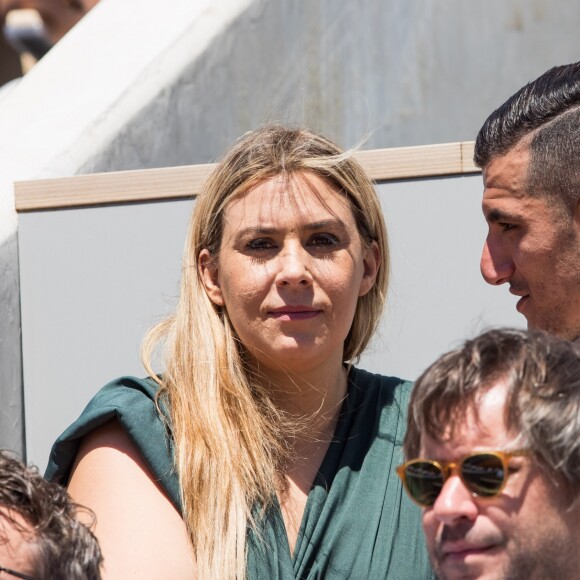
(63, 546)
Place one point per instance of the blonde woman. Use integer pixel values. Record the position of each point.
(259, 452)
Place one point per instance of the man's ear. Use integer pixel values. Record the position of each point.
(208, 272)
(371, 263)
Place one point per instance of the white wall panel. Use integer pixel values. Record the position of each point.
(94, 279)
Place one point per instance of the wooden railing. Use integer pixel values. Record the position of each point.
(186, 181)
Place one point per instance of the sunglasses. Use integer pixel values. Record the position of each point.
(483, 473)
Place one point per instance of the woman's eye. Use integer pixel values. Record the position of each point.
(260, 244)
(323, 240)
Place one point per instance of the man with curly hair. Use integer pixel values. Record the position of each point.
(40, 535)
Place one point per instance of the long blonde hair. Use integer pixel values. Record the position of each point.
(231, 441)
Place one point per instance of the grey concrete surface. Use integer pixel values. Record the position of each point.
(11, 400)
(396, 73)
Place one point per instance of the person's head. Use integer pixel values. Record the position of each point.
(40, 535)
(284, 276)
(494, 429)
(57, 16)
(277, 180)
(528, 150)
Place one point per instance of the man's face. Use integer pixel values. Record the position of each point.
(525, 532)
(17, 543)
(533, 246)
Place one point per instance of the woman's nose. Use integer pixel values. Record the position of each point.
(294, 264)
(496, 264)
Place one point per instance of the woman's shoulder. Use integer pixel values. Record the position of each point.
(367, 385)
(111, 478)
(130, 401)
(379, 401)
(124, 391)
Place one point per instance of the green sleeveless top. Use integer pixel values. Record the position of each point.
(358, 522)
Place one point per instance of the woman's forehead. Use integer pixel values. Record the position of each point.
(303, 194)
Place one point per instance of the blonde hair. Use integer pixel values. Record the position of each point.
(231, 441)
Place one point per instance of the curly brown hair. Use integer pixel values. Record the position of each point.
(64, 547)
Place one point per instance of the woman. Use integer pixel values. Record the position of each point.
(260, 452)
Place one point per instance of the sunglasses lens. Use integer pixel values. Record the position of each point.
(484, 474)
(424, 482)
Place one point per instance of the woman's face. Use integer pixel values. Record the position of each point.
(290, 271)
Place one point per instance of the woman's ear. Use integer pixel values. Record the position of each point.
(208, 272)
(371, 263)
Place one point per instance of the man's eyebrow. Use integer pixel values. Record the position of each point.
(497, 215)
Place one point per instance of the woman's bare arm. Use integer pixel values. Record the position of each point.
(140, 532)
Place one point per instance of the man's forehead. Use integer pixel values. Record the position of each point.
(17, 541)
(504, 206)
(481, 426)
(508, 172)
(11, 519)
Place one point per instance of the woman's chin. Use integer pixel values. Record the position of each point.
(297, 356)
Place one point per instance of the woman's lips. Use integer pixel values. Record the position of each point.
(289, 313)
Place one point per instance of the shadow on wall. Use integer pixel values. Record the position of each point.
(11, 394)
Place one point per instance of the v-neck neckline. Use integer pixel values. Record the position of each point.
(323, 477)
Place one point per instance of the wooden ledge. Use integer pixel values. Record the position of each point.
(186, 181)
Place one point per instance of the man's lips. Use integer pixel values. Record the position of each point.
(524, 295)
(520, 303)
(458, 550)
(298, 312)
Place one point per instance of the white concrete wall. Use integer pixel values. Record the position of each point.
(113, 64)
(403, 72)
(166, 82)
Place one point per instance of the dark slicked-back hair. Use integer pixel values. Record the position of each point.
(542, 377)
(548, 111)
(62, 547)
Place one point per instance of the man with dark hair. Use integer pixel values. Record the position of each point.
(529, 151)
(40, 536)
(493, 458)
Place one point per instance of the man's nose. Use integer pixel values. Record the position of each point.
(455, 502)
(496, 264)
